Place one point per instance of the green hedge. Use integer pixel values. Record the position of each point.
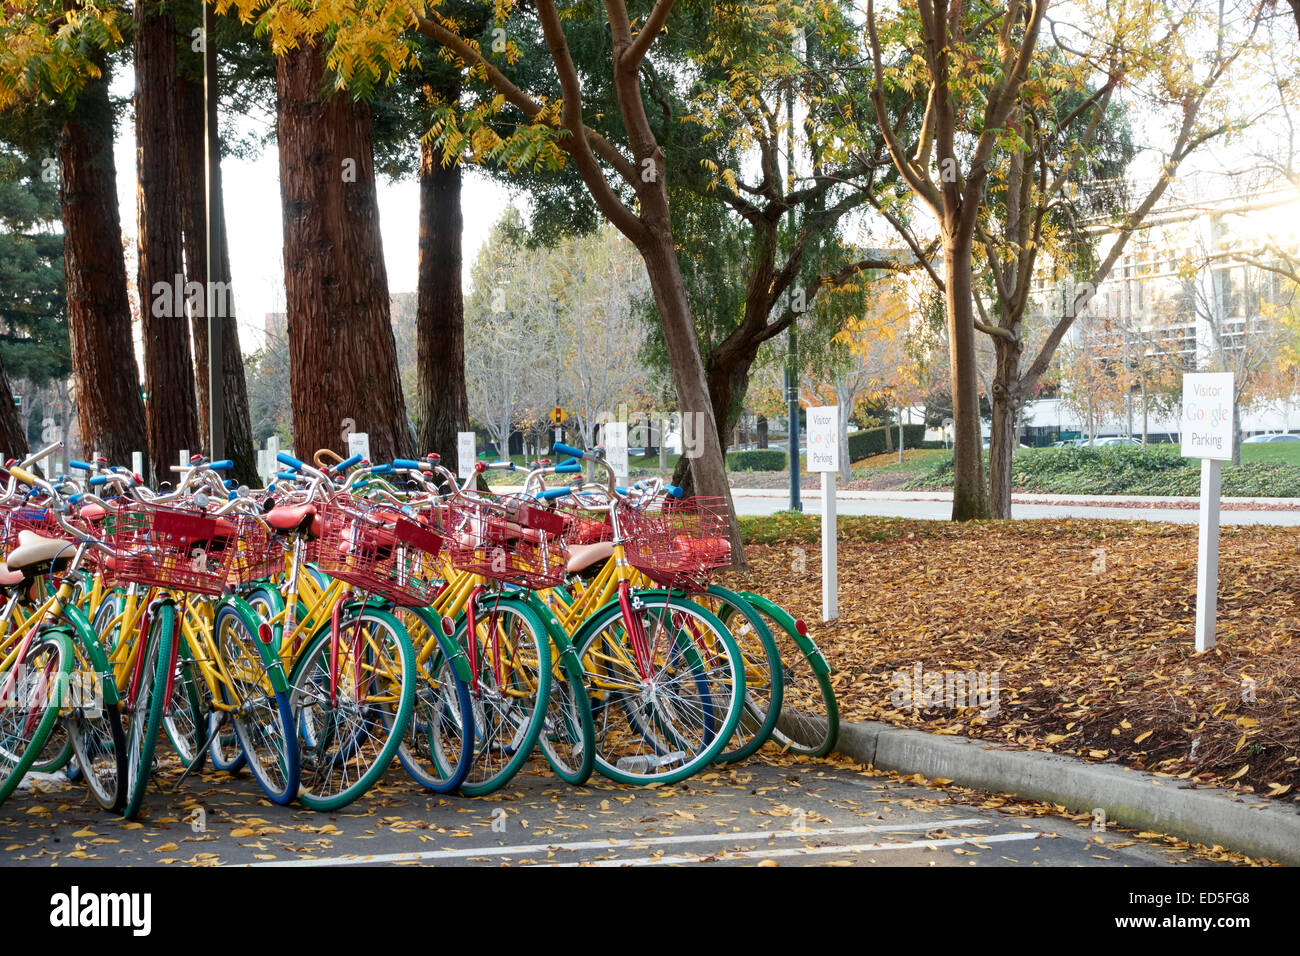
(871, 441)
(757, 459)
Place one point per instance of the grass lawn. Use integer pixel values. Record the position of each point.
(1088, 626)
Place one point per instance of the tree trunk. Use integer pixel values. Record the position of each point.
(13, 439)
(842, 423)
(969, 499)
(889, 439)
(342, 357)
(171, 418)
(700, 432)
(727, 375)
(109, 411)
(1003, 439)
(238, 428)
(442, 407)
(761, 428)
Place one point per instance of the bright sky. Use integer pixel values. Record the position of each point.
(252, 198)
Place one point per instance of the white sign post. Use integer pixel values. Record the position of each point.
(1207, 435)
(615, 438)
(466, 443)
(824, 456)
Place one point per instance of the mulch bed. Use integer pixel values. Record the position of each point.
(1088, 627)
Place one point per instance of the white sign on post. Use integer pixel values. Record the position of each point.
(466, 444)
(1207, 435)
(824, 456)
(615, 438)
(272, 462)
(359, 444)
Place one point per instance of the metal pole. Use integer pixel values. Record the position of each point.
(212, 181)
(792, 396)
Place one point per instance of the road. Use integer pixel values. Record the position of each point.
(769, 810)
(766, 502)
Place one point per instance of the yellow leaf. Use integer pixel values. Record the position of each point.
(1240, 772)
(1141, 737)
(166, 848)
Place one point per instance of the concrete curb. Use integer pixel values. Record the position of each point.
(1243, 823)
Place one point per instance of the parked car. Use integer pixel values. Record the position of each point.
(1117, 440)
(1273, 438)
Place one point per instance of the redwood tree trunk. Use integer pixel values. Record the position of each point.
(109, 411)
(169, 375)
(13, 440)
(238, 430)
(969, 498)
(442, 405)
(342, 357)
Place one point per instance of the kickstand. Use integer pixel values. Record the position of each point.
(216, 725)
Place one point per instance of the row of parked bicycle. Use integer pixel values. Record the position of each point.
(352, 614)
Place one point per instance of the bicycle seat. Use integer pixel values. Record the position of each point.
(583, 556)
(33, 549)
(93, 512)
(286, 518)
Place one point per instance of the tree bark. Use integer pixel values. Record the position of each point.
(239, 446)
(171, 418)
(1003, 436)
(442, 407)
(109, 409)
(761, 428)
(13, 439)
(969, 499)
(342, 357)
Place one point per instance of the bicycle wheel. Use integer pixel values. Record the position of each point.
(185, 715)
(509, 691)
(56, 753)
(31, 708)
(351, 720)
(261, 715)
(569, 732)
(441, 731)
(809, 722)
(99, 742)
(764, 679)
(662, 718)
(143, 715)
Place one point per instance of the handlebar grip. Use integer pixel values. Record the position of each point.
(75, 463)
(675, 490)
(562, 449)
(407, 463)
(232, 495)
(96, 480)
(75, 499)
(285, 458)
(570, 467)
(550, 494)
(382, 470)
(287, 476)
(22, 474)
(224, 465)
(620, 489)
(347, 463)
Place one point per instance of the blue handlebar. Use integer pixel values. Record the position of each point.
(551, 494)
(232, 495)
(407, 463)
(345, 464)
(675, 490)
(287, 476)
(224, 465)
(570, 467)
(75, 498)
(83, 465)
(562, 449)
(285, 458)
(99, 480)
(382, 470)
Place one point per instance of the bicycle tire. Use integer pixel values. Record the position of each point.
(341, 756)
(262, 719)
(764, 676)
(27, 720)
(184, 715)
(144, 715)
(809, 723)
(442, 721)
(696, 697)
(508, 714)
(100, 748)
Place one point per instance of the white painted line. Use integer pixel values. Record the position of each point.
(858, 848)
(532, 849)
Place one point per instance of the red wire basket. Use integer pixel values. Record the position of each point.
(170, 548)
(377, 548)
(509, 539)
(583, 526)
(258, 554)
(29, 518)
(678, 543)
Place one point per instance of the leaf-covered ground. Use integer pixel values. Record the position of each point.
(1088, 626)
